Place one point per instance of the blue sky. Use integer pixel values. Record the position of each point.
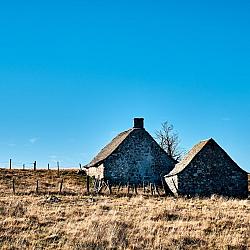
(73, 74)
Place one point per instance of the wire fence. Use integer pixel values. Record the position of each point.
(70, 182)
(64, 188)
(34, 165)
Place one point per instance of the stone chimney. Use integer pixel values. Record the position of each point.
(139, 123)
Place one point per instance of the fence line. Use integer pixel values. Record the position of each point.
(91, 186)
(10, 164)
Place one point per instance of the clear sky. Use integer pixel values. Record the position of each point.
(73, 74)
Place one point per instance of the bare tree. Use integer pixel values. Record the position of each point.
(169, 140)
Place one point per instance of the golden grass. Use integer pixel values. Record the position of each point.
(49, 181)
(30, 221)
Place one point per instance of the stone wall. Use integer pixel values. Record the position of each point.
(97, 172)
(213, 172)
(172, 183)
(139, 158)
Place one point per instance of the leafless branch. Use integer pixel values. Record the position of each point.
(169, 140)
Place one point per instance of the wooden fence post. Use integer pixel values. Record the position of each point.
(119, 187)
(100, 186)
(35, 166)
(95, 184)
(87, 183)
(37, 186)
(164, 186)
(128, 187)
(48, 166)
(61, 186)
(151, 188)
(109, 187)
(23, 166)
(144, 188)
(157, 190)
(10, 163)
(135, 189)
(13, 186)
(58, 169)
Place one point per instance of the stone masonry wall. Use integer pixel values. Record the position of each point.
(139, 158)
(172, 183)
(213, 172)
(96, 172)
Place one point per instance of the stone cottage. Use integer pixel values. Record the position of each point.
(133, 156)
(207, 169)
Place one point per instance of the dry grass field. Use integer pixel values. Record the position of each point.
(74, 220)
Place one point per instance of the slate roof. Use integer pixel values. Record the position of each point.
(193, 153)
(189, 157)
(109, 149)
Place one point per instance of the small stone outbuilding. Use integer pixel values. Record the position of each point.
(133, 156)
(206, 170)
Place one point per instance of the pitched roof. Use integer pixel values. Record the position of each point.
(193, 153)
(109, 149)
(189, 157)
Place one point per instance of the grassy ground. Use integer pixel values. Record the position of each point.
(48, 181)
(76, 221)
